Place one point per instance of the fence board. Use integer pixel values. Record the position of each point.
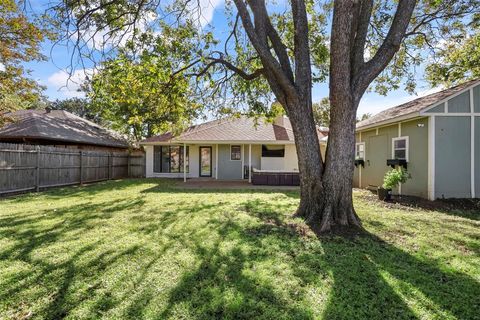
(29, 167)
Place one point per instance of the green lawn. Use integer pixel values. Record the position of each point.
(144, 249)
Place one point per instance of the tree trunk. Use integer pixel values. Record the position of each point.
(326, 189)
(339, 165)
(310, 162)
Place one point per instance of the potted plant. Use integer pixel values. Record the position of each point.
(391, 180)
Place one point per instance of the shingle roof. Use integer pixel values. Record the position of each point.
(58, 125)
(415, 106)
(234, 129)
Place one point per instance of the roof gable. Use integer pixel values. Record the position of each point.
(233, 129)
(414, 107)
(58, 125)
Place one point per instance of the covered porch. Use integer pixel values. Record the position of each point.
(229, 160)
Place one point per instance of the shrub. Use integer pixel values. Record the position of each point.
(394, 177)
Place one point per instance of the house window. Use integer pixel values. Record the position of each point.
(400, 148)
(273, 151)
(360, 151)
(169, 159)
(235, 153)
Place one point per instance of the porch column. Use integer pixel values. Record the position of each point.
(216, 161)
(184, 162)
(249, 163)
(242, 156)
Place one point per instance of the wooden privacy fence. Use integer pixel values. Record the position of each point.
(28, 167)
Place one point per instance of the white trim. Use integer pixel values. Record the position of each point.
(462, 114)
(207, 142)
(216, 161)
(385, 123)
(185, 162)
(392, 123)
(250, 163)
(243, 160)
(364, 155)
(472, 146)
(431, 158)
(472, 107)
(364, 158)
(448, 98)
(360, 143)
(406, 154)
(407, 146)
(241, 153)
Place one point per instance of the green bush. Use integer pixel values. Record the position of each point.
(394, 177)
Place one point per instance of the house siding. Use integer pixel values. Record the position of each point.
(476, 99)
(228, 169)
(417, 131)
(460, 103)
(378, 148)
(452, 157)
(477, 155)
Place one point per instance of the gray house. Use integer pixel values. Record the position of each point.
(233, 148)
(436, 138)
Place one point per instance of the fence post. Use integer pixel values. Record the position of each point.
(37, 170)
(81, 167)
(110, 160)
(128, 166)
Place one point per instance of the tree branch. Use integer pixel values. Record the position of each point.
(387, 50)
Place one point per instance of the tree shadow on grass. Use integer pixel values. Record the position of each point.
(369, 278)
(264, 266)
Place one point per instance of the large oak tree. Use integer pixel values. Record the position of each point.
(369, 42)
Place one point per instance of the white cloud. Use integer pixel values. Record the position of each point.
(69, 84)
(204, 10)
(373, 103)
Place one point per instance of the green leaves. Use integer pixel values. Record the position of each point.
(139, 92)
(20, 39)
(458, 61)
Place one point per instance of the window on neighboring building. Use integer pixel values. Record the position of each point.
(273, 151)
(400, 148)
(235, 153)
(360, 151)
(167, 159)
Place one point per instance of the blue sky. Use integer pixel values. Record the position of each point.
(52, 73)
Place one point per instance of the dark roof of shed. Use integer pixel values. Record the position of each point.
(416, 105)
(59, 125)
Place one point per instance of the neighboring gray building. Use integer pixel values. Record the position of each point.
(437, 137)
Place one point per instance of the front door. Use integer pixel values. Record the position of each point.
(205, 161)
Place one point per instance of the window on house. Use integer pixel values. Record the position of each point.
(400, 148)
(273, 151)
(360, 151)
(169, 159)
(235, 153)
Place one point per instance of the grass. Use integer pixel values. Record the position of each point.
(146, 249)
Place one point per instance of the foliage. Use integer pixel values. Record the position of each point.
(78, 106)
(321, 112)
(458, 60)
(364, 116)
(20, 39)
(147, 249)
(394, 177)
(140, 92)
